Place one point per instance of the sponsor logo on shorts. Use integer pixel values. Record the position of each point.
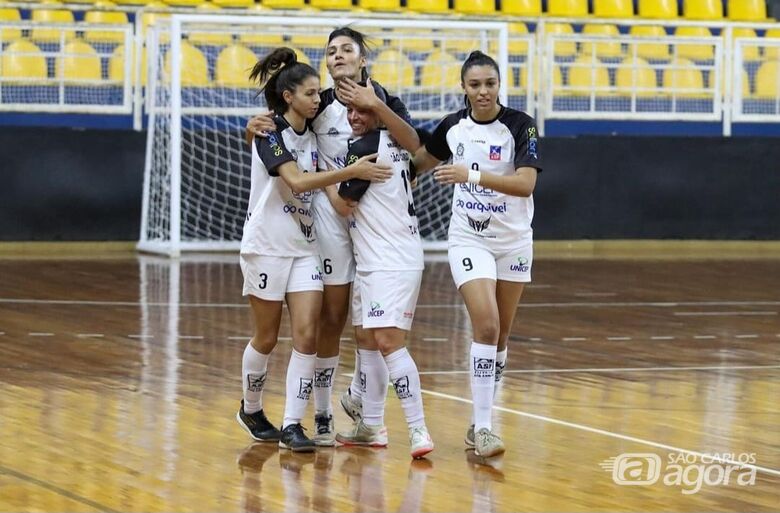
(323, 378)
(401, 386)
(477, 225)
(362, 381)
(495, 152)
(255, 382)
(521, 266)
(484, 367)
(376, 310)
(304, 389)
(408, 315)
(317, 276)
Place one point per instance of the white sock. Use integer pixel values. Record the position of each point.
(324, 371)
(500, 366)
(358, 384)
(483, 381)
(254, 367)
(300, 375)
(406, 381)
(376, 376)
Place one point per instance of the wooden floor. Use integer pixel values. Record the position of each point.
(119, 382)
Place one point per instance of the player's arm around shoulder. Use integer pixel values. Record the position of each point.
(343, 206)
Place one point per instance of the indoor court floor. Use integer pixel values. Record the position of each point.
(631, 385)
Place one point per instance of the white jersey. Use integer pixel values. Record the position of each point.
(333, 138)
(481, 216)
(384, 229)
(279, 221)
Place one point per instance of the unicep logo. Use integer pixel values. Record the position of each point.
(376, 310)
(688, 471)
(521, 265)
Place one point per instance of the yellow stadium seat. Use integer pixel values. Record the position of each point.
(406, 41)
(683, 76)
(475, 6)
(309, 40)
(695, 51)
(234, 3)
(747, 10)
(331, 4)
(258, 38)
(381, 5)
(194, 66)
(607, 48)
(428, 6)
(22, 61)
(516, 46)
(233, 66)
(184, 3)
(567, 8)
(150, 17)
(768, 80)
(772, 52)
(9, 34)
(561, 48)
(613, 8)
(649, 50)
(116, 65)
(284, 4)
(634, 74)
(135, 2)
(587, 74)
(660, 9)
(440, 71)
(522, 7)
(749, 52)
(79, 62)
(108, 18)
(703, 9)
(393, 69)
(51, 16)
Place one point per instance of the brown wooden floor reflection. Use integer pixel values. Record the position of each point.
(118, 389)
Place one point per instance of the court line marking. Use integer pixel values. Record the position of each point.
(190, 337)
(435, 339)
(615, 369)
(752, 335)
(627, 304)
(612, 434)
(141, 336)
(90, 335)
(595, 294)
(573, 339)
(40, 334)
(704, 336)
(721, 314)
(56, 489)
(662, 337)
(618, 338)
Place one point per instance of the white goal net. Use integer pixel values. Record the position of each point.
(197, 176)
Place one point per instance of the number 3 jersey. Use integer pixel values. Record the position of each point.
(384, 226)
(279, 221)
(481, 216)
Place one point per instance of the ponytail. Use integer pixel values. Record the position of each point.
(277, 72)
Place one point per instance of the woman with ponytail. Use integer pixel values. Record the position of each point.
(279, 249)
(493, 160)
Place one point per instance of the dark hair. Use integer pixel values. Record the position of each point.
(477, 58)
(277, 72)
(359, 38)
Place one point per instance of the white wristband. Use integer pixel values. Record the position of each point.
(474, 176)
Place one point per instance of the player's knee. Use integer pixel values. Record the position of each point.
(264, 343)
(388, 341)
(305, 338)
(332, 320)
(487, 330)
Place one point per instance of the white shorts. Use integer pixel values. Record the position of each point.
(471, 263)
(271, 277)
(338, 256)
(356, 305)
(389, 298)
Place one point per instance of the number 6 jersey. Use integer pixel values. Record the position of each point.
(481, 216)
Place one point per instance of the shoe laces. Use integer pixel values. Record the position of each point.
(322, 423)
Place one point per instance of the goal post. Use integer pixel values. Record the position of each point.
(198, 99)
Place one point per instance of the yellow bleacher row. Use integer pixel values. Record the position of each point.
(738, 10)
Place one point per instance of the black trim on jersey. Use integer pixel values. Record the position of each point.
(328, 96)
(523, 129)
(437, 144)
(498, 116)
(272, 150)
(355, 188)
